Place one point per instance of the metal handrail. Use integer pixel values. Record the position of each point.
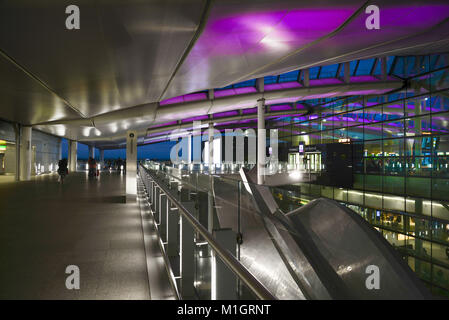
(228, 259)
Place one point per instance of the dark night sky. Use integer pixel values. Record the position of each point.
(160, 151)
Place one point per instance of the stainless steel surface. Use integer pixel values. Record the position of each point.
(243, 274)
(328, 248)
(349, 245)
(122, 55)
(112, 126)
(257, 252)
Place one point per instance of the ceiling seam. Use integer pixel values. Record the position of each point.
(39, 81)
(199, 30)
(388, 42)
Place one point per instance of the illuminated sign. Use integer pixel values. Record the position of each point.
(344, 140)
(2, 148)
(301, 148)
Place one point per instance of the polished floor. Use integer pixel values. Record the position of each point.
(46, 226)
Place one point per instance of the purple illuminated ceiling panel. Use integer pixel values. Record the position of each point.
(227, 123)
(248, 120)
(224, 93)
(249, 111)
(358, 79)
(281, 86)
(244, 90)
(172, 101)
(185, 98)
(235, 42)
(226, 114)
(235, 91)
(198, 118)
(323, 82)
(195, 96)
(283, 107)
(401, 25)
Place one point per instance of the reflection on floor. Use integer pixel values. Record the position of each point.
(7, 179)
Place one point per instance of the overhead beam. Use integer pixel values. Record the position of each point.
(181, 111)
(199, 31)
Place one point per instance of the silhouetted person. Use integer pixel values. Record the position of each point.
(92, 167)
(62, 169)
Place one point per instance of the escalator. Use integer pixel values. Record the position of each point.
(322, 250)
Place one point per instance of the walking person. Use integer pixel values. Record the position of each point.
(62, 170)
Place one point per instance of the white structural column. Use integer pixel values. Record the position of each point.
(210, 135)
(73, 158)
(211, 94)
(306, 80)
(261, 140)
(102, 157)
(189, 148)
(25, 153)
(131, 166)
(260, 85)
(91, 152)
(196, 142)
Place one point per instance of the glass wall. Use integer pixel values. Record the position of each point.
(400, 161)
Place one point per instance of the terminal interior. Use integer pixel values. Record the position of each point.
(268, 150)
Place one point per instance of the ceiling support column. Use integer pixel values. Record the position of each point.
(17, 130)
(73, 149)
(131, 166)
(211, 94)
(91, 152)
(261, 140)
(306, 80)
(102, 158)
(25, 153)
(260, 85)
(210, 135)
(347, 72)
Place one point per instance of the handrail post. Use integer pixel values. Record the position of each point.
(224, 281)
(187, 255)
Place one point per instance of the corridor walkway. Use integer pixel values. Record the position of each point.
(45, 226)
